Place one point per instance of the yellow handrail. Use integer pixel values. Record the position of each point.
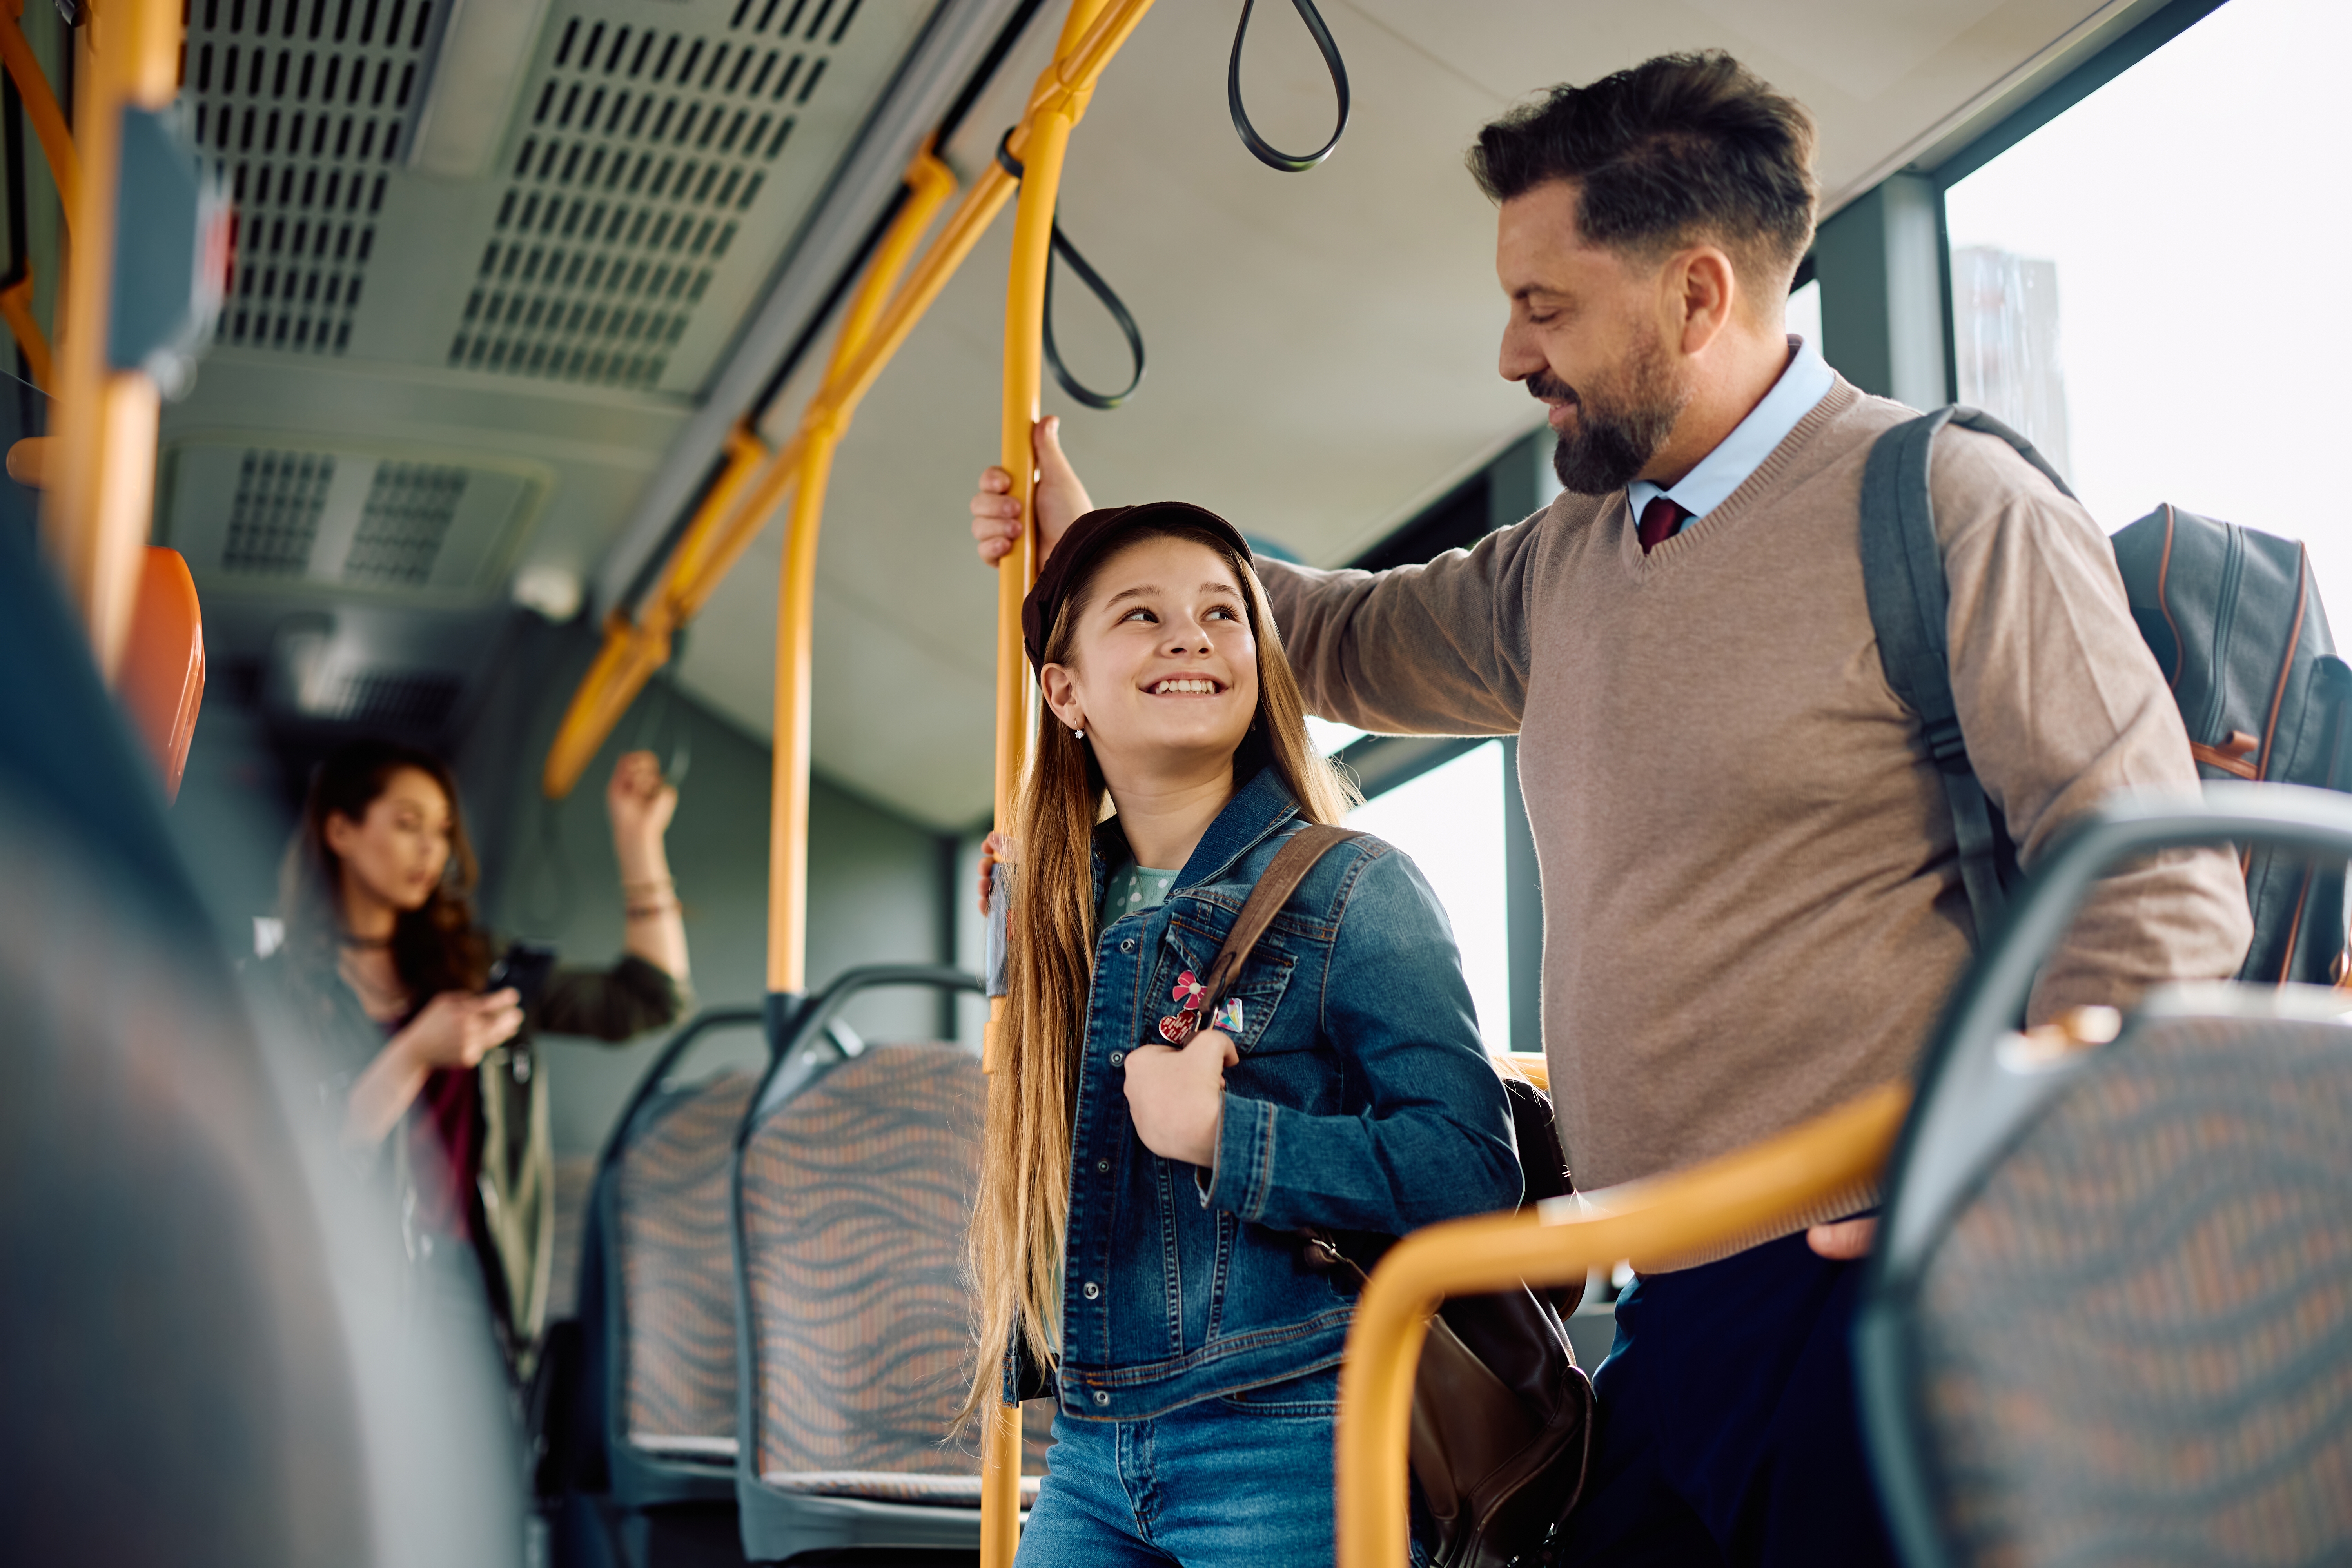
(41, 108)
(16, 309)
(929, 183)
(99, 505)
(727, 523)
(1691, 1213)
(1090, 34)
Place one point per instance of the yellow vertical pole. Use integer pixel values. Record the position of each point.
(930, 182)
(1024, 320)
(795, 652)
(97, 512)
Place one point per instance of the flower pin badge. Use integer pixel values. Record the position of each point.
(1181, 1026)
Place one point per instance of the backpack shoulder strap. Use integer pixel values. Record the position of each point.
(1291, 864)
(1903, 575)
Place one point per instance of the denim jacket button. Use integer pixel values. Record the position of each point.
(1103, 1167)
(1092, 1291)
(1117, 1058)
(1128, 946)
(1101, 1397)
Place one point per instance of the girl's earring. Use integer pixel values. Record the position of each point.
(1078, 734)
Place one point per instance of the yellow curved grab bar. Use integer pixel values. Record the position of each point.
(41, 108)
(1692, 1212)
(99, 505)
(735, 510)
(16, 309)
(930, 183)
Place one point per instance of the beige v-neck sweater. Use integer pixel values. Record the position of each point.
(1752, 907)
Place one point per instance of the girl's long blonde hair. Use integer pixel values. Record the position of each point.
(1024, 1202)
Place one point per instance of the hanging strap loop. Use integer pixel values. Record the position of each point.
(1266, 151)
(1119, 315)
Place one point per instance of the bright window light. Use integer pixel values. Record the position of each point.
(1804, 317)
(1449, 820)
(2129, 282)
(1327, 737)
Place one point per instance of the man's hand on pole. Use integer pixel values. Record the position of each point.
(1061, 500)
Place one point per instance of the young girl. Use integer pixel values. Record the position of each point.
(1136, 1234)
(386, 969)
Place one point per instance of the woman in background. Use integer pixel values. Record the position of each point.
(383, 956)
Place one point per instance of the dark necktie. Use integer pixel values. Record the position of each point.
(1659, 520)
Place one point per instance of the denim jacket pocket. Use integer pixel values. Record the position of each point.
(1256, 993)
(1314, 1394)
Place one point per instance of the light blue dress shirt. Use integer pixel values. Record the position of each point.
(1799, 391)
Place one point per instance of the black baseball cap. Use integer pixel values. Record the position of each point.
(1087, 539)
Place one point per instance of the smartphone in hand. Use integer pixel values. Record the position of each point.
(525, 966)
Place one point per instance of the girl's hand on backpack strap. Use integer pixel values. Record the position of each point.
(1178, 1098)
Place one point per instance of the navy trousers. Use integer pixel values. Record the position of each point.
(1727, 1429)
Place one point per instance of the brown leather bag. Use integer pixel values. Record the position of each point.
(1502, 1416)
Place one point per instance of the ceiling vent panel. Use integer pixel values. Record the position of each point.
(305, 105)
(262, 516)
(643, 151)
(658, 162)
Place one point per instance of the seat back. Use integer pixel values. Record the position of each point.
(676, 1271)
(657, 1295)
(2111, 1319)
(161, 680)
(858, 1194)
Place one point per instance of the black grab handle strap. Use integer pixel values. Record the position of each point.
(1266, 151)
(1119, 315)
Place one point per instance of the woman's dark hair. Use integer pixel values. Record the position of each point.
(1680, 148)
(434, 947)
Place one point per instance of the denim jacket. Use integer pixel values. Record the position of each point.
(1363, 1102)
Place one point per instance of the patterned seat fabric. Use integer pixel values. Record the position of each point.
(890, 1486)
(678, 1272)
(857, 1198)
(2136, 1342)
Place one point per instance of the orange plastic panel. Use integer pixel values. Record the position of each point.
(163, 677)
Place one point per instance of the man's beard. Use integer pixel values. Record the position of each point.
(1617, 432)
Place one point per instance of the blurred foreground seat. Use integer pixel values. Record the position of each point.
(175, 1385)
(2111, 1317)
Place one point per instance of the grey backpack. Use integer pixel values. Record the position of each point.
(2235, 623)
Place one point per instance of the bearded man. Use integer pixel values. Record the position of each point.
(1752, 901)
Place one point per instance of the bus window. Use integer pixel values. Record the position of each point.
(2126, 283)
(1449, 820)
(1804, 315)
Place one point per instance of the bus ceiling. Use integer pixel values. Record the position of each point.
(508, 287)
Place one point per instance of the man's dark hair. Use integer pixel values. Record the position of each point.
(1681, 148)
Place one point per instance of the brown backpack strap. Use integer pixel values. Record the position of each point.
(1291, 864)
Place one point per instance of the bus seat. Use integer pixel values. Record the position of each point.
(161, 681)
(2111, 1316)
(678, 1372)
(175, 1382)
(856, 1186)
(655, 1423)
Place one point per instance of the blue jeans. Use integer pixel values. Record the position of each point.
(1220, 1483)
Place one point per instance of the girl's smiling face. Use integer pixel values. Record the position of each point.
(1163, 666)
